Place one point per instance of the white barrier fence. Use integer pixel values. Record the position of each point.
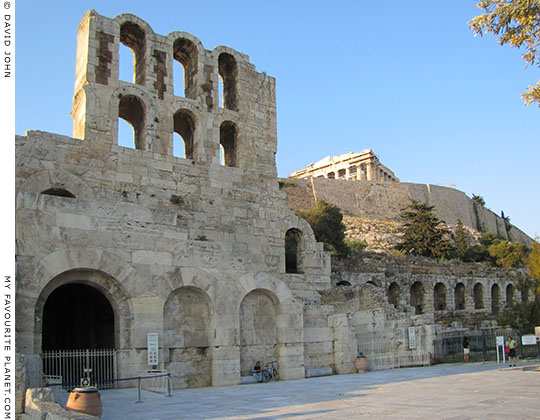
(70, 366)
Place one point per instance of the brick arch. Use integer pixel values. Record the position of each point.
(185, 125)
(56, 178)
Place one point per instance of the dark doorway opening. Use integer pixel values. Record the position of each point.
(77, 316)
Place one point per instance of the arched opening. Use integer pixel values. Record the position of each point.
(510, 292)
(343, 283)
(77, 316)
(393, 295)
(417, 297)
(228, 71)
(228, 137)
(184, 126)
(478, 293)
(258, 329)
(131, 110)
(495, 298)
(186, 55)
(439, 297)
(59, 192)
(188, 328)
(134, 37)
(459, 297)
(293, 247)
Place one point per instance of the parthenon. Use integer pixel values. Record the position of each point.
(355, 166)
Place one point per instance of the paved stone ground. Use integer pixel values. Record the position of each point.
(450, 392)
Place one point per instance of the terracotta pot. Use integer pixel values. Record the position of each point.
(85, 400)
(361, 364)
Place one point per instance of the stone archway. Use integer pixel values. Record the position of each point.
(188, 317)
(258, 329)
(77, 316)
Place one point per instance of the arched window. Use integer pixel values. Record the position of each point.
(228, 135)
(417, 297)
(131, 109)
(228, 72)
(293, 247)
(393, 295)
(478, 293)
(459, 296)
(343, 283)
(439, 297)
(495, 298)
(184, 126)
(59, 192)
(510, 291)
(185, 54)
(134, 37)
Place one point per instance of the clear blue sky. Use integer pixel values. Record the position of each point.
(404, 78)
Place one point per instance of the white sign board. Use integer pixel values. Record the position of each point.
(412, 338)
(153, 349)
(500, 340)
(528, 340)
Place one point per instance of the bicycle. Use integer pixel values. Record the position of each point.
(270, 372)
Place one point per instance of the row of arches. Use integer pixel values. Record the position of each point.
(80, 315)
(132, 110)
(184, 54)
(458, 299)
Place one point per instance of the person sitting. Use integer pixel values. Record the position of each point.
(256, 371)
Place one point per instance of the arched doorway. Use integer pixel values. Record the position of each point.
(77, 316)
(78, 336)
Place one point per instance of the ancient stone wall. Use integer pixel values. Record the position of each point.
(385, 200)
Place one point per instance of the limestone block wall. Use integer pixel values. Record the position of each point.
(384, 201)
(177, 247)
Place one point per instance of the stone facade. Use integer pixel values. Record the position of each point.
(115, 243)
(191, 248)
(353, 166)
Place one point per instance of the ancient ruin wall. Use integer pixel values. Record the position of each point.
(385, 200)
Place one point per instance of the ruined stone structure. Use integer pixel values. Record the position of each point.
(355, 166)
(114, 243)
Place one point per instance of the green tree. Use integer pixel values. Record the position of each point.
(462, 242)
(326, 220)
(534, 264)
(423, 233)
(515, 22)
(508, 254)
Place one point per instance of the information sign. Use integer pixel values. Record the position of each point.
(528, 340)
(153, 349)
(412, 338)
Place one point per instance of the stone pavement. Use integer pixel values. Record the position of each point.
(452, 392)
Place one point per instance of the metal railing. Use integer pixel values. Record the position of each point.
(71, 365)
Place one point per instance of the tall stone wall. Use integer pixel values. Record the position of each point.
(385, 200)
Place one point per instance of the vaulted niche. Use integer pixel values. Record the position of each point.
(131, 109)
(228, 72)
(185, 53)
(439, 297)
(228, 138)
(59, 192)
(184, 126)
(134, 37)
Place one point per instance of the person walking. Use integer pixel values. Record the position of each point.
(512, 345)
(466, 349)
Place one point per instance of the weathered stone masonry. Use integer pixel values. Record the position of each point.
(114, 243)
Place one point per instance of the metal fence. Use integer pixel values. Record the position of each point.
(448, 348)
(70, 366)
(382, 354)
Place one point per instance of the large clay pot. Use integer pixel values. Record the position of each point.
(85, 400)
(361, 364)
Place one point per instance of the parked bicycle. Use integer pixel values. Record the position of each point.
(270, 372)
